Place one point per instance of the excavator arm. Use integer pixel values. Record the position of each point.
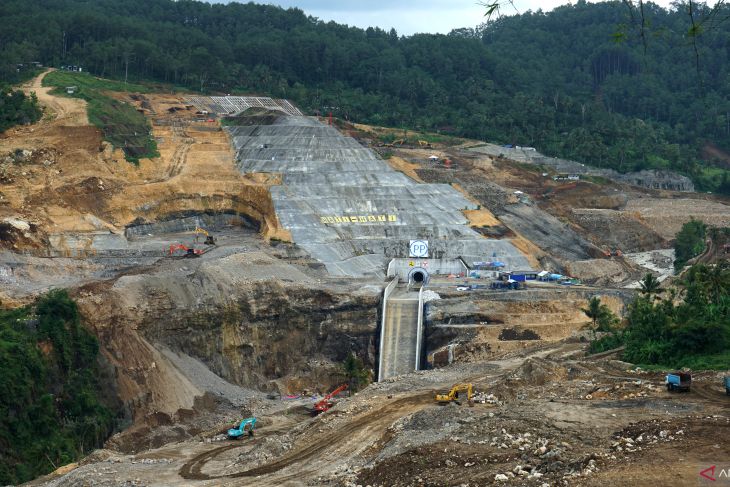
(246, 426)
(326, 403)
(453, 394)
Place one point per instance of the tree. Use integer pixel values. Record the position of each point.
(53, 407)
(17, 109)
(355, 371)
(650, 285)
(601, 315)
(689, 242)
(593, 311)
(608, 104)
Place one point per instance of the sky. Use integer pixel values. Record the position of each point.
(410, 16)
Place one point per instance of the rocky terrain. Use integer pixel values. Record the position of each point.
(255, 326)
(542, 416)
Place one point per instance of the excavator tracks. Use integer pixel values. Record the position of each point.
(373, 422)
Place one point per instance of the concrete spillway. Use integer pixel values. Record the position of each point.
(348, 208)
(399, 349)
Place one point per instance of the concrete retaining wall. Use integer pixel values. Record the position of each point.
(386, 294)
(419, 333)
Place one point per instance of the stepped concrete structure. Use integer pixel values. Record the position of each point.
(348, 208)
(230, 105)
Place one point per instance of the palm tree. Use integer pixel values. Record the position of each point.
(594, 309)
(650, 285)
(717, 282)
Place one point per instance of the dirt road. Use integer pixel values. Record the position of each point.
(324, 449)
(66, 111)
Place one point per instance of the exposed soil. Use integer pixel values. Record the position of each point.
(71, 177)
(252, 327)
(541, 416)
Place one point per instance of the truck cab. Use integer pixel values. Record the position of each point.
(678, 381)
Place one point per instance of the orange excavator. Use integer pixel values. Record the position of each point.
(188, 251)
(326, 403)
(607, 253)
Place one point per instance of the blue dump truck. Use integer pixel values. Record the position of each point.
(727, 385)
(679, 381)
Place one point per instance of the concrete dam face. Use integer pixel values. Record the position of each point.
(348, 208)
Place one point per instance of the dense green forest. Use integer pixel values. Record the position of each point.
(576, 82)
(51, 388)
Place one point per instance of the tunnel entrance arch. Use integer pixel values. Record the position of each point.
(418, 276)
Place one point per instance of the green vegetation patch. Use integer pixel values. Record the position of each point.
(689, 242)
(51, 409)
(357, 374)
(17, 109)
(692, 331)
(624, 96)
(123, 126)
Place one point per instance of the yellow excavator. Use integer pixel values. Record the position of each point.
(209, 239)
(453, 394)
(424, 143)
(398, 142)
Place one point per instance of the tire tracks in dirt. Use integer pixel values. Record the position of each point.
(179, 157)
(370, 425)
(709, 394)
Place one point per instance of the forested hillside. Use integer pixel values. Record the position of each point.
(576, 82)
(54, 398)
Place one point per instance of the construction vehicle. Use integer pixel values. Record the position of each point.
(209, 239)
(607, 253)
(398, 142)
(246, 427)
(678, 381)
(189, 252)
(425, 144)
(727, 385)
(326, 403)
(507, 285)
(453, 394)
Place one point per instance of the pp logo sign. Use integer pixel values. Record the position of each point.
(418, 248)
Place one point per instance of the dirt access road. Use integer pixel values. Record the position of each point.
(323, 450)
(66, 111)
